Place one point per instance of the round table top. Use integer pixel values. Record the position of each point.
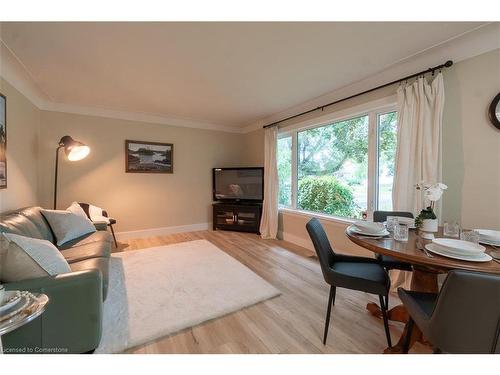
(411, 252)
(32, 307)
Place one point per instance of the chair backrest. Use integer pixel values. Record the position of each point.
(466, 318)
(86, 208)
(324, 250)
(381, 216)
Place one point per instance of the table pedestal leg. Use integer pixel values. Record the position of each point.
(396, 314)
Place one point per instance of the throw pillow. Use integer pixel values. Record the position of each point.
(67, 226)
(28, 258)
(77, 210)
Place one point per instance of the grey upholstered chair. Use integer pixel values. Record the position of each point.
(387, 261)
(351, 272)
(464, 318)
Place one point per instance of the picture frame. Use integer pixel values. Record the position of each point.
(148, 157)
(3, 141)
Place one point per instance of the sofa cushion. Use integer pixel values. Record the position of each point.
(101, 264)
(99, 236)
(90, 250)
(27, 222)
(34, 214)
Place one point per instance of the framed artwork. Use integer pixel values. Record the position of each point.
(3, 141)
(149, 157)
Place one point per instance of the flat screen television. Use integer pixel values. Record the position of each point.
(238, 184)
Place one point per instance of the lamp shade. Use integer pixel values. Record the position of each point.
(74, 150)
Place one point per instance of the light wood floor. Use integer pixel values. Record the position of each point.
(290, 323)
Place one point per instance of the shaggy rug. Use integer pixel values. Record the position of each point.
(161, 290)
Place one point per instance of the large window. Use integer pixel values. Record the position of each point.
(342, 168)
(333, 168)
(387, 136)
(285, 171)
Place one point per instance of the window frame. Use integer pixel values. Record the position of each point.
(373, 110)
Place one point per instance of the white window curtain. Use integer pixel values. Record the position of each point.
(269, 222)
(420, 118)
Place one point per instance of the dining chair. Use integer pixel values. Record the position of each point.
(464, 318)
(350, 272)
(391, 263)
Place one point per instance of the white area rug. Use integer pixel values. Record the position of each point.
(161, 290)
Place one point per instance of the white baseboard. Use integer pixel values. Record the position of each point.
(296, 240)
(152, 232)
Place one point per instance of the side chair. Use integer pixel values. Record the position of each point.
(464, 318)
(350, 272)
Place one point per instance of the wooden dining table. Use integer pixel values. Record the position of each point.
(424, 275)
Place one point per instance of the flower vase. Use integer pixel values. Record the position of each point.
(428, 228)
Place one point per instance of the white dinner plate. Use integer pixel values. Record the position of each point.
(357, 230)
(10, 298)
(459, 246)
(489, 235)
(486, 242)
(482, 257)
(449, 250)
(369, 227)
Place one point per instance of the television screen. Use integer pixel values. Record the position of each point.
(238, 183)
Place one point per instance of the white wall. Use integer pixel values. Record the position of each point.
(471, 144)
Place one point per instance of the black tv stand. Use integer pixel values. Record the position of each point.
(237, 216)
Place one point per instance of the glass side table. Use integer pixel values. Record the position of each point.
(29, 307)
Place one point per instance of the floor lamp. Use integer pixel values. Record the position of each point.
(74, 151)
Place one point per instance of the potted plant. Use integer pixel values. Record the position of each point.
(427, 221)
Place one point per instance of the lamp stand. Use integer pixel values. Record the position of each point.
(55, 177)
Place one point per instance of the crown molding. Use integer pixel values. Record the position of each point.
(136, 116)
(467, 45)
(14, 72)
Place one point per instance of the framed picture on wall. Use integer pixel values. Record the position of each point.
(149, 157)
(3, 141)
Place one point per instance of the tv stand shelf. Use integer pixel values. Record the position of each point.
(237, 216)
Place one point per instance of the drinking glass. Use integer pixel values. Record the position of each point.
(391, 223)
(451, 229)
(401, 232)
(469, 235)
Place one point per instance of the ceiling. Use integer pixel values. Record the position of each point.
(230, 74)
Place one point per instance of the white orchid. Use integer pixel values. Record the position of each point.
(432, 192)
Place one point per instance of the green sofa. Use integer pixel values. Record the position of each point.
(72, 321)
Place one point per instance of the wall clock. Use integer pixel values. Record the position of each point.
(494, 111)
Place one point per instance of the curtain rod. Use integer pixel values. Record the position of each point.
(447, 64)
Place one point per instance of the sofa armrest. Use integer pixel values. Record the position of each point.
(72, 321)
